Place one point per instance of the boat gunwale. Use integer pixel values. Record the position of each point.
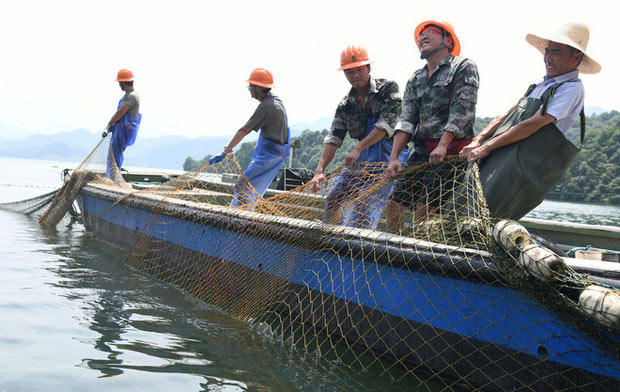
(394, 250)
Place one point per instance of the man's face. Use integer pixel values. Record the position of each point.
(358, 76)
(559, 59)
(253, 91)
(121, 85)
(430, 38)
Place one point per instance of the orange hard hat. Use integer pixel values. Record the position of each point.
(124, 75)
(456, 49)
(261, 77)
(353, 56)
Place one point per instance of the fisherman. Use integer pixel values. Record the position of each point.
(524, 152)
(367, 113)
(438, 112)
(273, 144)
(125, 122)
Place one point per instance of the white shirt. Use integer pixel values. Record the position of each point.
(567, 101)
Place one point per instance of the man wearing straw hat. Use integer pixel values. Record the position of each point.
(367, 113)
(525, 152)
(438, 112)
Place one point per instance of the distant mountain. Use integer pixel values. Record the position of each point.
(71, 146)
(169, 152)
(10, 132)
(166, 152)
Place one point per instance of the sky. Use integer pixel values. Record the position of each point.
(191, 59)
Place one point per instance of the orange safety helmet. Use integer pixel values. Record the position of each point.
(261, 77)
(124, 75)
(353, 56)
(456, 49)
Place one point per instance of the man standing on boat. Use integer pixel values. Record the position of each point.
(524, 152)
(367, 113)
(125, 122)
(273, 144)
(438, 112)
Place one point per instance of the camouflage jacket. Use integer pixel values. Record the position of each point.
(445, 102)
(382, 103)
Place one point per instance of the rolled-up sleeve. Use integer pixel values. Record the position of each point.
(338, 130)
(390, 102)
(463, 101)
(410, 112)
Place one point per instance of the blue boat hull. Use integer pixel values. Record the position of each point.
(456, 323)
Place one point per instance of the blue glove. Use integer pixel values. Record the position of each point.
(107, 131)
(217, 158)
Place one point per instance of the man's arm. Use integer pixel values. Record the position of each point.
(485, 134)
(520, 131)
(118, 115)
(400, 141)
(329, 150)
(437, 155)
(373, 137)
(388, 102)
(462, 109)
(241, 133)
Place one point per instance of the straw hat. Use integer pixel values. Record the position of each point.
(575, 35)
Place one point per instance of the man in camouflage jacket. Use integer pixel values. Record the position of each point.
(438, 112)
(367, 113)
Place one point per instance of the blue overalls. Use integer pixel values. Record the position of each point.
(124, 134)
(267, 158)
(368, 171)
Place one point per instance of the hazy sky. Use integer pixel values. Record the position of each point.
(191, 58)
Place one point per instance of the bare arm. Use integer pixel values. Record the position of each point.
(485, 134)
(519, 132)
(241, 133)
(373, 137)
(400, 140)
(119, 114)
(329, 150)
(437, 155)
(492, 127)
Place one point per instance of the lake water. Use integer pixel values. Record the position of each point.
(73, 317)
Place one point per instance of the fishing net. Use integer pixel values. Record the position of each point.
(96, 167)
(30, 206)
(408, 280)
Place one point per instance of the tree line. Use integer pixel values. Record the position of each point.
(593, 177)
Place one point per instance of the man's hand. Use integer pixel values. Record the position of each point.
(470, 151)
(478, 153)
(317, 180)
(106, 130)
(438, 154)
(394, 168)
(351, 157)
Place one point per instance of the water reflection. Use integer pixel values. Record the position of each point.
(143, 326)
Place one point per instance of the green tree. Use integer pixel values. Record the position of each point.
(594, 175)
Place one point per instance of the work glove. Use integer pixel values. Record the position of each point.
(105, 132)
(217, 158)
